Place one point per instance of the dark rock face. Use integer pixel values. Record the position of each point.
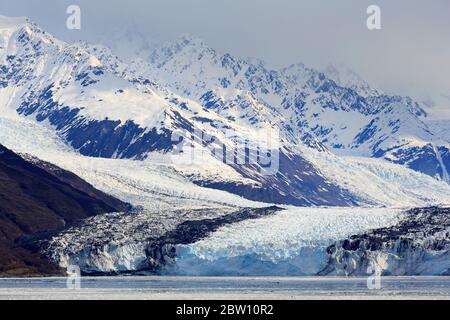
(36, 199)
(418, 245)
(445, 156)
(79, 184)
(112, 139)
(424, 159)
(296, 182)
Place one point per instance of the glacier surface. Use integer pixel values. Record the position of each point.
(291, 242)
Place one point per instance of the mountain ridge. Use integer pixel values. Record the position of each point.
(103, 107)
(373, 124)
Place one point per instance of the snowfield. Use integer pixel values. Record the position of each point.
(159, 182)
(382, 182)
(151, 184)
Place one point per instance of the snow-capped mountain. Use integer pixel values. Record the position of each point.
(132, 131)
(104, 107)
(103, 111)
(164, 198)
(337, 107)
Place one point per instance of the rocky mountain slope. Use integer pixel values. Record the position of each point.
(102, 111)
(165, 198)
(190, 95)
(37, 198)
(337, 107)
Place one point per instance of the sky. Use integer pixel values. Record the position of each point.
(410, 55)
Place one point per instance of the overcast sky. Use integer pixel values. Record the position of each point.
(409, 55)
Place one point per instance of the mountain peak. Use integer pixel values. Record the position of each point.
(185, 44)
(346, 77)
(17, 33)
(189, 39)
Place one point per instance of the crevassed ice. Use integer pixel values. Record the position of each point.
(292, 242)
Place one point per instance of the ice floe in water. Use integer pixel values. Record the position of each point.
(291, 242)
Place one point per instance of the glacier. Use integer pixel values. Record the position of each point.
(293, 242)
(417, 245)
(110, 122)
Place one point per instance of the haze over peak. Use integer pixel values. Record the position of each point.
(6, 22)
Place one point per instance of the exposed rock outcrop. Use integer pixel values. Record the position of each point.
(419, 245)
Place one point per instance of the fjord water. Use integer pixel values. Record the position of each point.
(231, 288)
